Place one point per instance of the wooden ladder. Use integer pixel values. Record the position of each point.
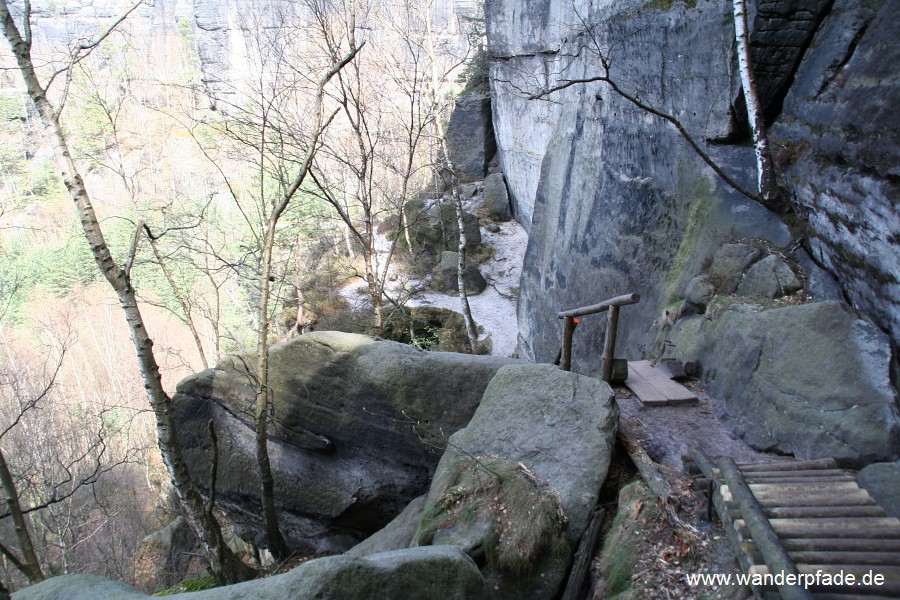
(805, 518)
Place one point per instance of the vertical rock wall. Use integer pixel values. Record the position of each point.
(614, 198)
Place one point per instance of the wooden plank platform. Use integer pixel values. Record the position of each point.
(824, 521)
(654, 388)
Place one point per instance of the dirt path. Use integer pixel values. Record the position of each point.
(668, 432)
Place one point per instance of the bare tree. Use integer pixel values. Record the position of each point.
(119, 278)
(279, 130)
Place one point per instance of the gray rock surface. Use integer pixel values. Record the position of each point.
(357, 428)
(433, 573)
(562, 426)
(496, 198)
(616, 202)
(621, 203)
(448, 270)
(78, 587)
(882, 480)
(820, 284)
(840, 146)
(470, 134)
(729, 264)
(396, 535)
(810, 380)
(770, 278)
(699, 292)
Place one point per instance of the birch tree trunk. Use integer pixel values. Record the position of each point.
(766, 181)
(208, 531)
(471, 331)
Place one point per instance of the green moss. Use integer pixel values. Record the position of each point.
(195, 584)
(622, 545)
(703, 203)
(525, 514)
(718, 305)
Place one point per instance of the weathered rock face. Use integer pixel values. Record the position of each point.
(622, 204)
(357, 427)
(562, 427)
(810, 380)
(616, 201)
(841, 149)
(436, 573)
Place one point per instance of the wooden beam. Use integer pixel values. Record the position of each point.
(817, 463)
(576, 587)
(602, 306)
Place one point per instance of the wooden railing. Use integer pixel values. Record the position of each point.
(570, 320)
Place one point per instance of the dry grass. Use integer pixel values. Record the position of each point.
(525, 514)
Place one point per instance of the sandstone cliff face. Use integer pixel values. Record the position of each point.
(617, 202)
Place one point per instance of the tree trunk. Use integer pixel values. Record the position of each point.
(31, 567)
(471, 330)
(276, 543)
(766, 181)
(189, 497)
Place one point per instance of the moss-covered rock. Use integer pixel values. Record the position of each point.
(561, 427)
(623, 543)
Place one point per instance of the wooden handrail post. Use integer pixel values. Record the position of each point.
(570, 320)
(609, 344)
(565, 361)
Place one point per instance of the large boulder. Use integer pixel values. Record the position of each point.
(436, 573)
(357, 427)
(810, 380)
(496, 198)
(448, 275)
(470, 134)
(536, 426)
(729, 264)
(769, 278)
